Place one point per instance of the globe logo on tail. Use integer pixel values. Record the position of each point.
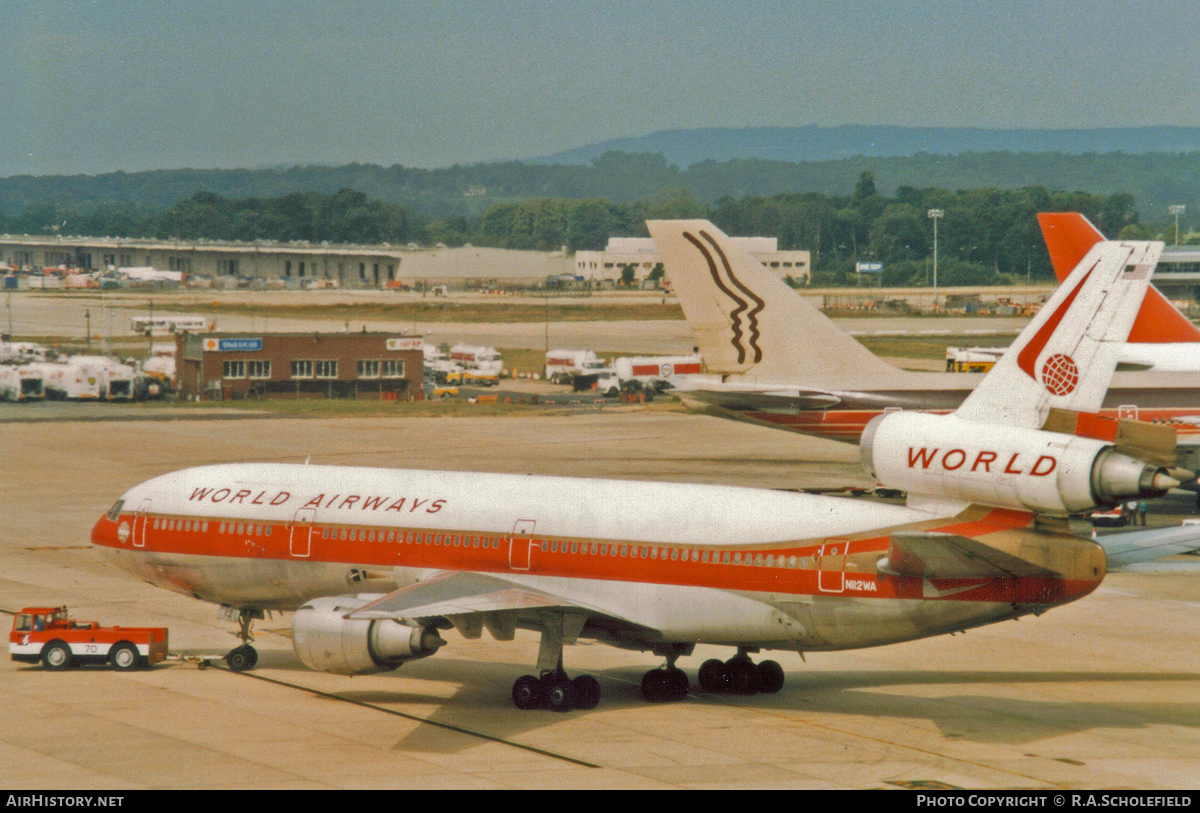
(1060, 375)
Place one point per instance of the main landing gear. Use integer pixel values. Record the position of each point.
(244, 657)
(668, 683)
(554, 689)
(740, 675)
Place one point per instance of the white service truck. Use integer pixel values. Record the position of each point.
(563, 365)
(650, 372)
(481, 365)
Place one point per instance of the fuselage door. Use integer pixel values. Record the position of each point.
(831, 565)
(300, 541)
(140, 521)
(519, 544)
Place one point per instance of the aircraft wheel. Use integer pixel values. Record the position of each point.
(527, 693)
(587, 692)
(560, 693)
(770, 677)
(57, 656)
(655, 685)
(714, 676)
(124, 657)
(677, 684)
(743, 676)
(242, 658)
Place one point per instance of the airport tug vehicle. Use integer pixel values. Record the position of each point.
(50, 635)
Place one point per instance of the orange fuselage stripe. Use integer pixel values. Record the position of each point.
(748, 575)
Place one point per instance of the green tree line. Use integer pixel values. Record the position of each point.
(986, 236)
(1155, 180)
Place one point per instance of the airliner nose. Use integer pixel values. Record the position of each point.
(108, 533)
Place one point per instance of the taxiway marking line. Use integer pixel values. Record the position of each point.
(414, 717)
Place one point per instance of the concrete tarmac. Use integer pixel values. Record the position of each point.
(36, 314)
(1103, 693)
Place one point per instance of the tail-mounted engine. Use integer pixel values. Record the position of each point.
(1004, 466)
(325, 640)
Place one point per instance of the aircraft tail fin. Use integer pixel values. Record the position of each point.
(746, 319)
(1067, 355)
(1069, 236)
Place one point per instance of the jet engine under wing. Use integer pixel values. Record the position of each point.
(948, 556)
(782, 400)
(464, 593)
(1146, 546)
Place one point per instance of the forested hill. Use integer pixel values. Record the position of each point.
(1156, 180)
(814, 143)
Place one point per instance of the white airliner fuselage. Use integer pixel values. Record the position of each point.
(776, 569)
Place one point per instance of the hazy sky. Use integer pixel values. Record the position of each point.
(90, 87)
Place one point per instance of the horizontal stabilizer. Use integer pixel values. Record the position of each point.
(1146, 546)
(948, 556)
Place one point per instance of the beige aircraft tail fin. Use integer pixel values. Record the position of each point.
(747, 321)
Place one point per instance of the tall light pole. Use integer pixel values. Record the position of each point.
(935, 215)
(1176, 210)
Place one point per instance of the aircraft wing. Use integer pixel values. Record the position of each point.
(1146, 546)
(464, 593)
(948, 556)
(789, 400)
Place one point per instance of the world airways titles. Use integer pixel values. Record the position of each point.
(248, 496)
(955, 459)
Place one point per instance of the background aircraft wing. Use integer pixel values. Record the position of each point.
(762, 400)
(1146, 546)
(949, 556)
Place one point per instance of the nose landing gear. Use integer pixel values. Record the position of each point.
(244, 657)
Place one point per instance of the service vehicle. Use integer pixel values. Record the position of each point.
(972, 359)
(649, 369)
(50, 635)
(173, 323)
(481, 365)
(562, 366)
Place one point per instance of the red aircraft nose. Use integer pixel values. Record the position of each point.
(109, 533)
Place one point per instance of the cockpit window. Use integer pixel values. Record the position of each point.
(115, 511)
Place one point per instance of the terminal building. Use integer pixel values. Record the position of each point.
(303, 264)
(299, 263)
(234, 366)
(622, 252)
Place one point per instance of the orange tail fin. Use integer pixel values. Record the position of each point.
(1070, 236)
